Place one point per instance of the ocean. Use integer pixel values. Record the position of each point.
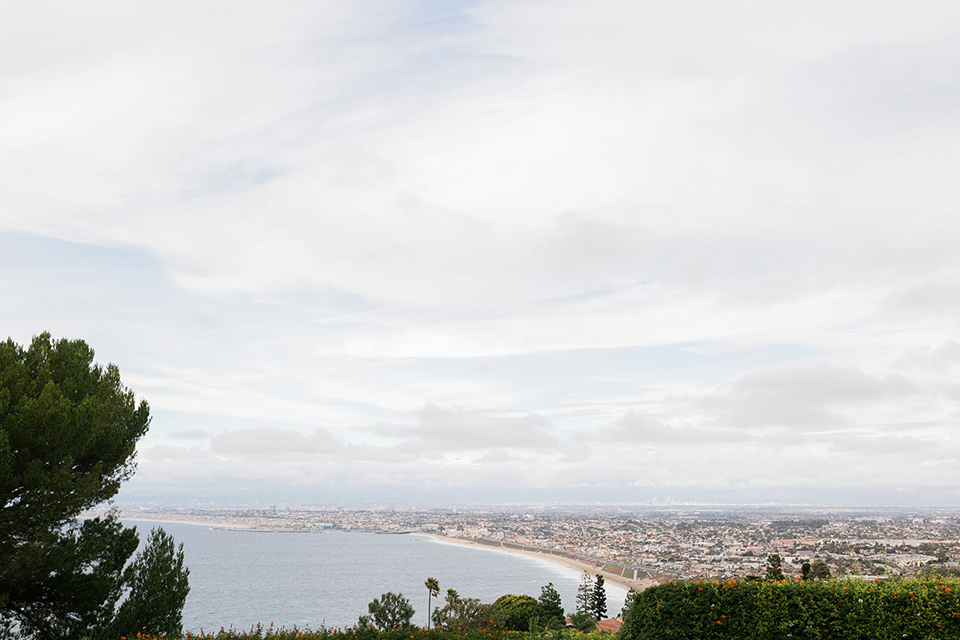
(241, 578)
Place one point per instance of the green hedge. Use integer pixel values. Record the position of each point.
(834, 610)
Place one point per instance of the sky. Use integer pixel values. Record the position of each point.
(499, 250)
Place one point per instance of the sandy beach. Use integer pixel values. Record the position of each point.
(570, 563)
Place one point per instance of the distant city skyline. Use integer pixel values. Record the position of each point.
(487, 251)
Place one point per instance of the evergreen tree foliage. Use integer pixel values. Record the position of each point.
(390, 611)
(599, 611)
(774, 568)
(551, 605)
(585, 595)
(158, 589)
(68, 585)
(68, 432)
(820, 571)
(627, 603)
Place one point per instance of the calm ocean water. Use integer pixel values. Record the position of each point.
(240, 578)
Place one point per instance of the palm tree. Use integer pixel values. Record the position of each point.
(433, 589)
(452, 596)
(582, 621)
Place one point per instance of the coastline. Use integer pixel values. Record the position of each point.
(637, 584)
(201, 523)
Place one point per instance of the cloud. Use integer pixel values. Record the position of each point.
(882, 88)
(941, 358)
(451, 244)
(495, 456)
(192, 434)
(271, 441)
(891, 446)
(406, 204)
(925, 298)
(635, 428)
(812, 397)
(440, 429)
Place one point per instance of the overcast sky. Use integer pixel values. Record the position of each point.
(499, 250)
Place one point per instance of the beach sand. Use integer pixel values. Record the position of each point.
(570, 563)
(637, 584)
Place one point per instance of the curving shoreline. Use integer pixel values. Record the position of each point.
(570, 563)
(638, 584)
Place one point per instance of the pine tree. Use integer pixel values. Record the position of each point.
(774, 568)
(158, 589)
(585, 595)
(68, 433)
(599, 611)
(389, 611)
(550, 604)
(627, 603)
(820, 571)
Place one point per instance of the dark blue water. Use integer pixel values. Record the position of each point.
(240, 578)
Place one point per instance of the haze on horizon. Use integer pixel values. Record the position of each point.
(499, 251)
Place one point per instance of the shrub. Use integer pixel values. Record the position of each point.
(515, 611)
(915, 609)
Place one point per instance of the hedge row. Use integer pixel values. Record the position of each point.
(847, 609)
